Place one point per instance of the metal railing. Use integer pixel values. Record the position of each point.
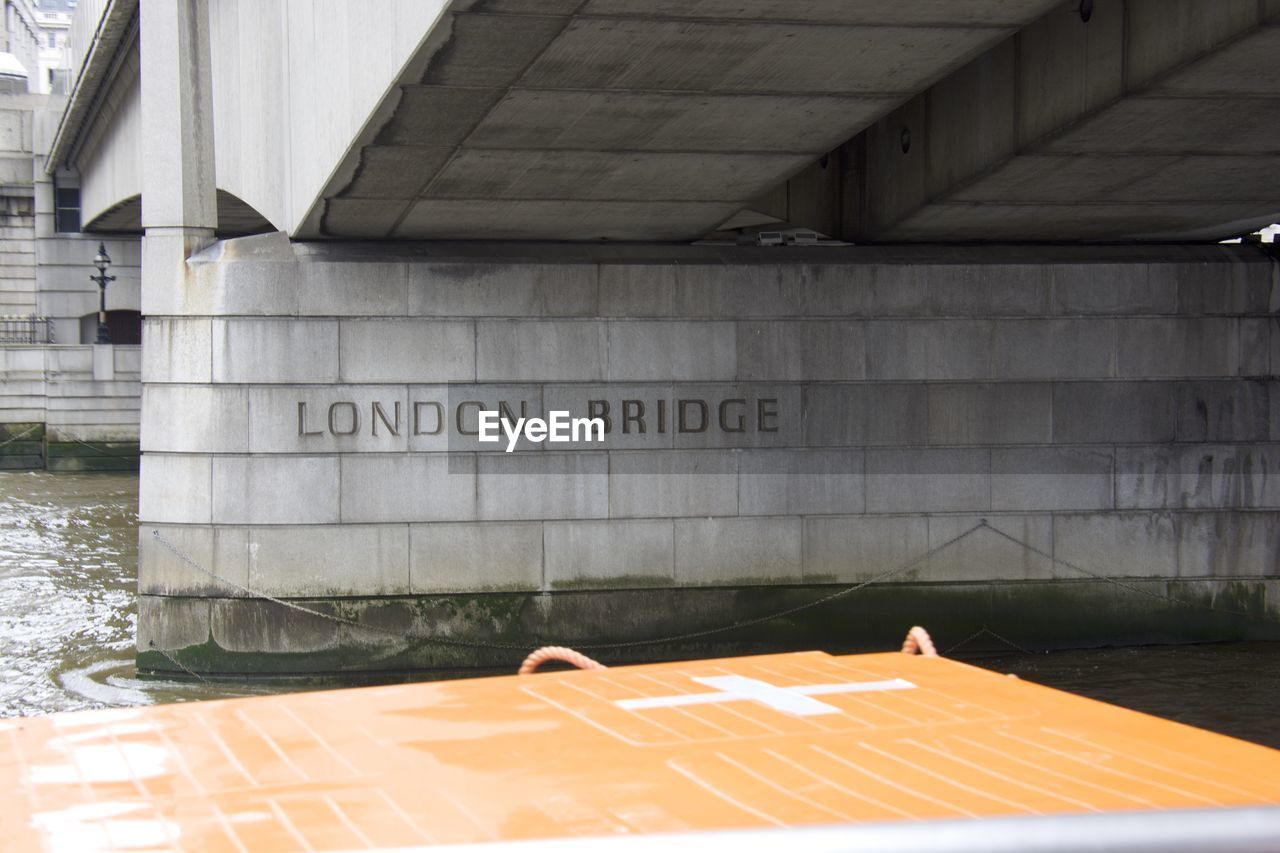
(28, 329)
(84, 29)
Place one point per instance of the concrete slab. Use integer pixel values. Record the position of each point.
(992, 13)
(985, 555)
(609, 554)
(854, 549)
(672, 350)
(990, 413)
(1051, 478)
(662, 484)
(1114, 412)
(1160, 36)
(1155, 125)
(396, 172)
(437, 116)
(502, 290)
(812, 350)
(865, 415)
(361, 217)
(611, 175)
(475, 557)
(221, 552)
(714, 551)
(1224, 411)
(321, 561)
(360, 289)
(177, 350)
(1239, 69)
(539, 119)
(543, 486)
(928, 480)
(1239, 288)
(1205, 178)
(1092, 289)
(541, 351)
(1177, 347)
(1080, 221)
(172, 623)
(1054, 349)
(749, 57)
(195, 418)
(377, 488)
(274, 350)
(491, 50)
(1198, 477)
(272, 489)
(1116, 545)
(1068, 68)
(801, 482)
(1063, 179)
(175, 489)
(1228, 545)
(933, 349)
(417, 350)
(439, 219)
(971, 118)
(1004, 290)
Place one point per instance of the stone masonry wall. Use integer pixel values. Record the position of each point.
(1111, 409)
(17, 255)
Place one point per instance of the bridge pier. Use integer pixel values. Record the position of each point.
(1064, 445)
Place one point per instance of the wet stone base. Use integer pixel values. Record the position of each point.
(69, 456)
(28, 447)
(382, 639)
(21, 446)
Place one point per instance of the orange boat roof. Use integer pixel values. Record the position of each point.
(781, 740)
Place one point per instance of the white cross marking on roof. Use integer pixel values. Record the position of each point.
(789, 700)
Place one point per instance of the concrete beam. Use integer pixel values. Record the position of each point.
(1148, 121)
(177, 116)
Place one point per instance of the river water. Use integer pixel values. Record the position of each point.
(68, 551)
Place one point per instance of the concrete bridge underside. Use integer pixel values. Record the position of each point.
(912, 121)
(870, 121)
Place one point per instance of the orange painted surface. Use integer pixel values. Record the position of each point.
(555, 754)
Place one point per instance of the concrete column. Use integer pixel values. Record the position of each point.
(179, 195)
(177, 116)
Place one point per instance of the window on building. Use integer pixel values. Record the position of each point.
(53, 39)
(66, 209)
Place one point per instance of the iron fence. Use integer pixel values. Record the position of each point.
(29, 329)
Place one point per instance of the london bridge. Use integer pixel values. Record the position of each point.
(921, 299)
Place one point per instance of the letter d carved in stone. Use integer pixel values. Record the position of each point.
(417, 418)
(683, 408)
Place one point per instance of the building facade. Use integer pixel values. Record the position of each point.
(65, 403)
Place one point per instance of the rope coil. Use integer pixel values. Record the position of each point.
(918, 642)
(560, 653)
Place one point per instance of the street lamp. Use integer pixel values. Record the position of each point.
(102, 260)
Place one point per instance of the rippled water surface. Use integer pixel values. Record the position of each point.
(68, 552)
(68, 563)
